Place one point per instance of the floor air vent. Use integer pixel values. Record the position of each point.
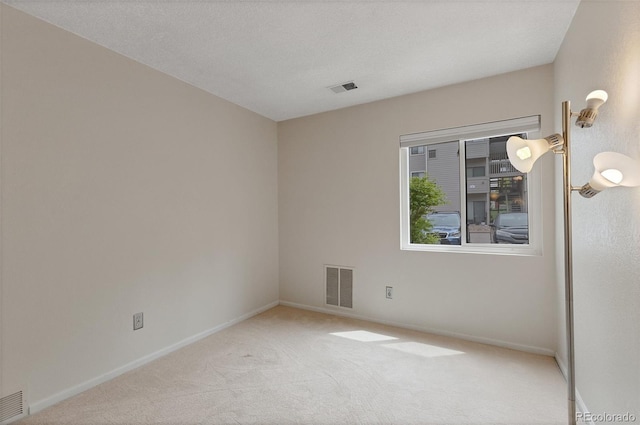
(339, 286)
(11, 406)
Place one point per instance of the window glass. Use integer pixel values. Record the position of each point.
(493, 199)
(491, 195)
(435, 196)
(417, 150)
(477, 171)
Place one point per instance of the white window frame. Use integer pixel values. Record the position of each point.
(529, 125)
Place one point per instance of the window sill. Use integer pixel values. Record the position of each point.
(490, 249)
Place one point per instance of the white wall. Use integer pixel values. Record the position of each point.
(339, 204)
(602, 51)
(123, 191)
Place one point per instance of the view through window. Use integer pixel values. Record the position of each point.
(486, 203)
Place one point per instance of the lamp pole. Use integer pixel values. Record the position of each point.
(568, 259)
(612, 169)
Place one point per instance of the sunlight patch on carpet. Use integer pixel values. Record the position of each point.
(364, 336)
(424, 350)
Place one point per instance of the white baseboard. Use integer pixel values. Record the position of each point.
(580, 405)
(62, 395)
(488, 341)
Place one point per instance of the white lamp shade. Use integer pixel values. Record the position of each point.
(596, 98)
(524, 153)
(614, 169)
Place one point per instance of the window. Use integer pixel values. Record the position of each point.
(477, 171)
(417, 150)
(470, 198)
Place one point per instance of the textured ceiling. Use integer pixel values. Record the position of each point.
(277, 58)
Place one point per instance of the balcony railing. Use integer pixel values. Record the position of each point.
(499, 164)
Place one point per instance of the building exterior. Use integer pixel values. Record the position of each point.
(492, 185)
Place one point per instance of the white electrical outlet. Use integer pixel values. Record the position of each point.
(138, 321)
(389, 292)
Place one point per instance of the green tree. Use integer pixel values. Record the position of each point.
(424, 194)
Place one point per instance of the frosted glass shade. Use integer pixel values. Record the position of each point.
(614, 169)
(524, 153)
(596, 98)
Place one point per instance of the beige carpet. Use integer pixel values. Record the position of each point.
(289, 366)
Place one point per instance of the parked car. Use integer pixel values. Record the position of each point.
(511, 228)
(447, 226)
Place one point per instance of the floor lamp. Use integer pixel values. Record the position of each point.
(611, 169)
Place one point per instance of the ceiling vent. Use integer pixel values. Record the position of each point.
(341, 88)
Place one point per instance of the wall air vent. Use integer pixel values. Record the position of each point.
(11, 406)
(341, 88)
(339, 286)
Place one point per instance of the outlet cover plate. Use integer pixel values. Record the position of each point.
(389, 292)
(138, 321)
